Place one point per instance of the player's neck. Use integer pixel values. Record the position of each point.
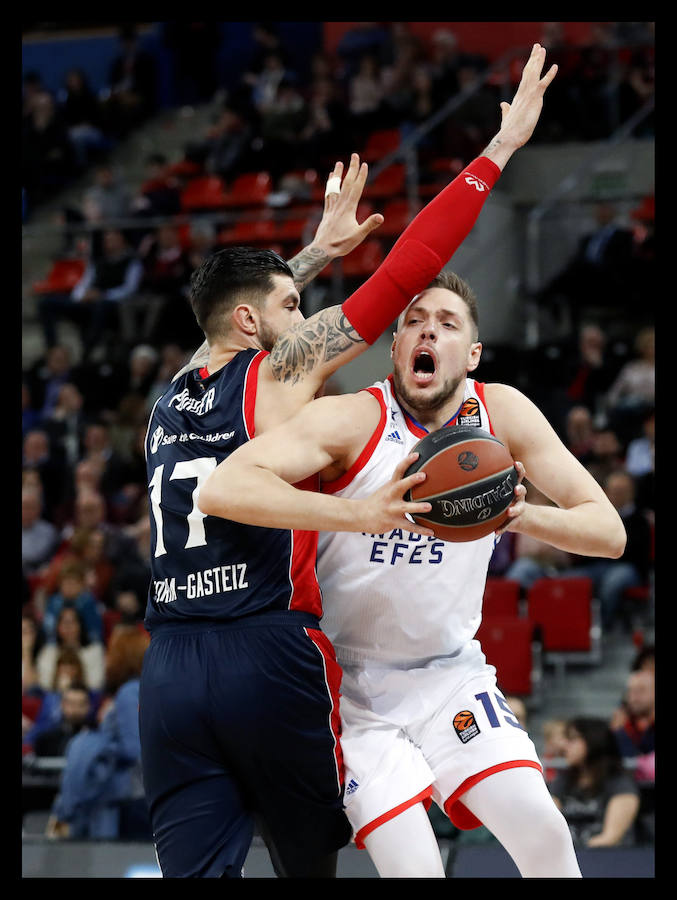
(433, 419)
(222, 352)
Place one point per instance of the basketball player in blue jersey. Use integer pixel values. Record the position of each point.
(422, 717)
(239, 717)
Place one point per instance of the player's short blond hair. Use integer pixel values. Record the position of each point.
(450, 281)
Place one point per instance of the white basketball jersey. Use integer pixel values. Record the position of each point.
(400, 600)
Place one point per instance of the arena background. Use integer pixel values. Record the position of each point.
(130, 161)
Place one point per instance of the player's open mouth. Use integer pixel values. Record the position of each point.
(423, 366)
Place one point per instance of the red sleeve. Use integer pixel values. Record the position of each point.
(421, 251)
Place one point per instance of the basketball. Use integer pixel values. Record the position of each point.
(470, 482)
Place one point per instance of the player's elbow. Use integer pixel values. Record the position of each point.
(211, 500)
(618, 539)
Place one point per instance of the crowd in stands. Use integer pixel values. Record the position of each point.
(85, 522)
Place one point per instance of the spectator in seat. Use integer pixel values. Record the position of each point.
(108, 281)
(52, 473)
(68, 670)
(635, 724)
(612, 577)
(599, 800)
(74, 596)
(47, 158)
(166, 275)
(66, 423)
(633, 393)
(39, 538)
(132, 92)
(81, 112)
(32, 641)
(101, 792)
(76, 708)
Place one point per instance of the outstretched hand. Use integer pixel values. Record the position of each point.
(339, 232)
(519, 118)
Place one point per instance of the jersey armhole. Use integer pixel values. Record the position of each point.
(251, 383)
(331, 487)
(479, 387)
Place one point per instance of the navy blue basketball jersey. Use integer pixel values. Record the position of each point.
(205, 567)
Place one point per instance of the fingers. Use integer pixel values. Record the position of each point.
(403, 465)
(520, 471)
(549, 75)
(374, 221)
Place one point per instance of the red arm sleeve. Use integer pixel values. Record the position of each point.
(421, 251)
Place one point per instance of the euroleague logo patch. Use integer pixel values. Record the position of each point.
(467, 461)
(469, 413)
(465, 726)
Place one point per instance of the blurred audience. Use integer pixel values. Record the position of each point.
(634, 723)
(66, 628)
(101, 793)
(599, 800)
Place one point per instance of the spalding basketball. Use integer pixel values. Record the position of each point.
(471, 480)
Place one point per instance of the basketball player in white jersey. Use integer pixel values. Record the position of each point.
(421, 713)
(422, 716)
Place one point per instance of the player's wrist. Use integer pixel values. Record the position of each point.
(501, 147)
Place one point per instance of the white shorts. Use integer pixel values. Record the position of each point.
(390, 766)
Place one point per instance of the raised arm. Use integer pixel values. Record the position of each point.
(337, 234)
(254, 485)
(313, 350)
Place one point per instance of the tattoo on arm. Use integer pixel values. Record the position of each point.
(307, 264)
(307, 346)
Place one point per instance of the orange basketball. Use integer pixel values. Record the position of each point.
(471, 480)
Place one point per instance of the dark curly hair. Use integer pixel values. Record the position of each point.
(230, 276)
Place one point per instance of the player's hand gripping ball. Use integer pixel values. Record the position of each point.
(471, 480)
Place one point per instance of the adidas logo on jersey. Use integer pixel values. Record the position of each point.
(394, 436)
(352, 786)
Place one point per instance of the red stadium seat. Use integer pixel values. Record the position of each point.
(501, 597)
(380, 143)
(363, 260)
(507, 643)
(260, 231)
(397, 215)
(62, 277)
(389, 183)
(204, 192)
(567, 616)
(249, 189)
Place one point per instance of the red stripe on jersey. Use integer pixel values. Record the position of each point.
(249, 393)
(203, 372)
(479, 387)
(330, 487)
(459, 813)
(332, 677)
(387, 816)
(305, 589)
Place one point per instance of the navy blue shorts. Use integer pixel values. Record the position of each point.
(240, 726)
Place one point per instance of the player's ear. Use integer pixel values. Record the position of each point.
(474, 356)
(244, 319)
(392, 346)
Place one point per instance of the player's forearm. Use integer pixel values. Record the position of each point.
(254, 495)
(589, 529)
(308, 263)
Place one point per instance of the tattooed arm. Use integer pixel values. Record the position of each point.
(316, 347)
(337, 234)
